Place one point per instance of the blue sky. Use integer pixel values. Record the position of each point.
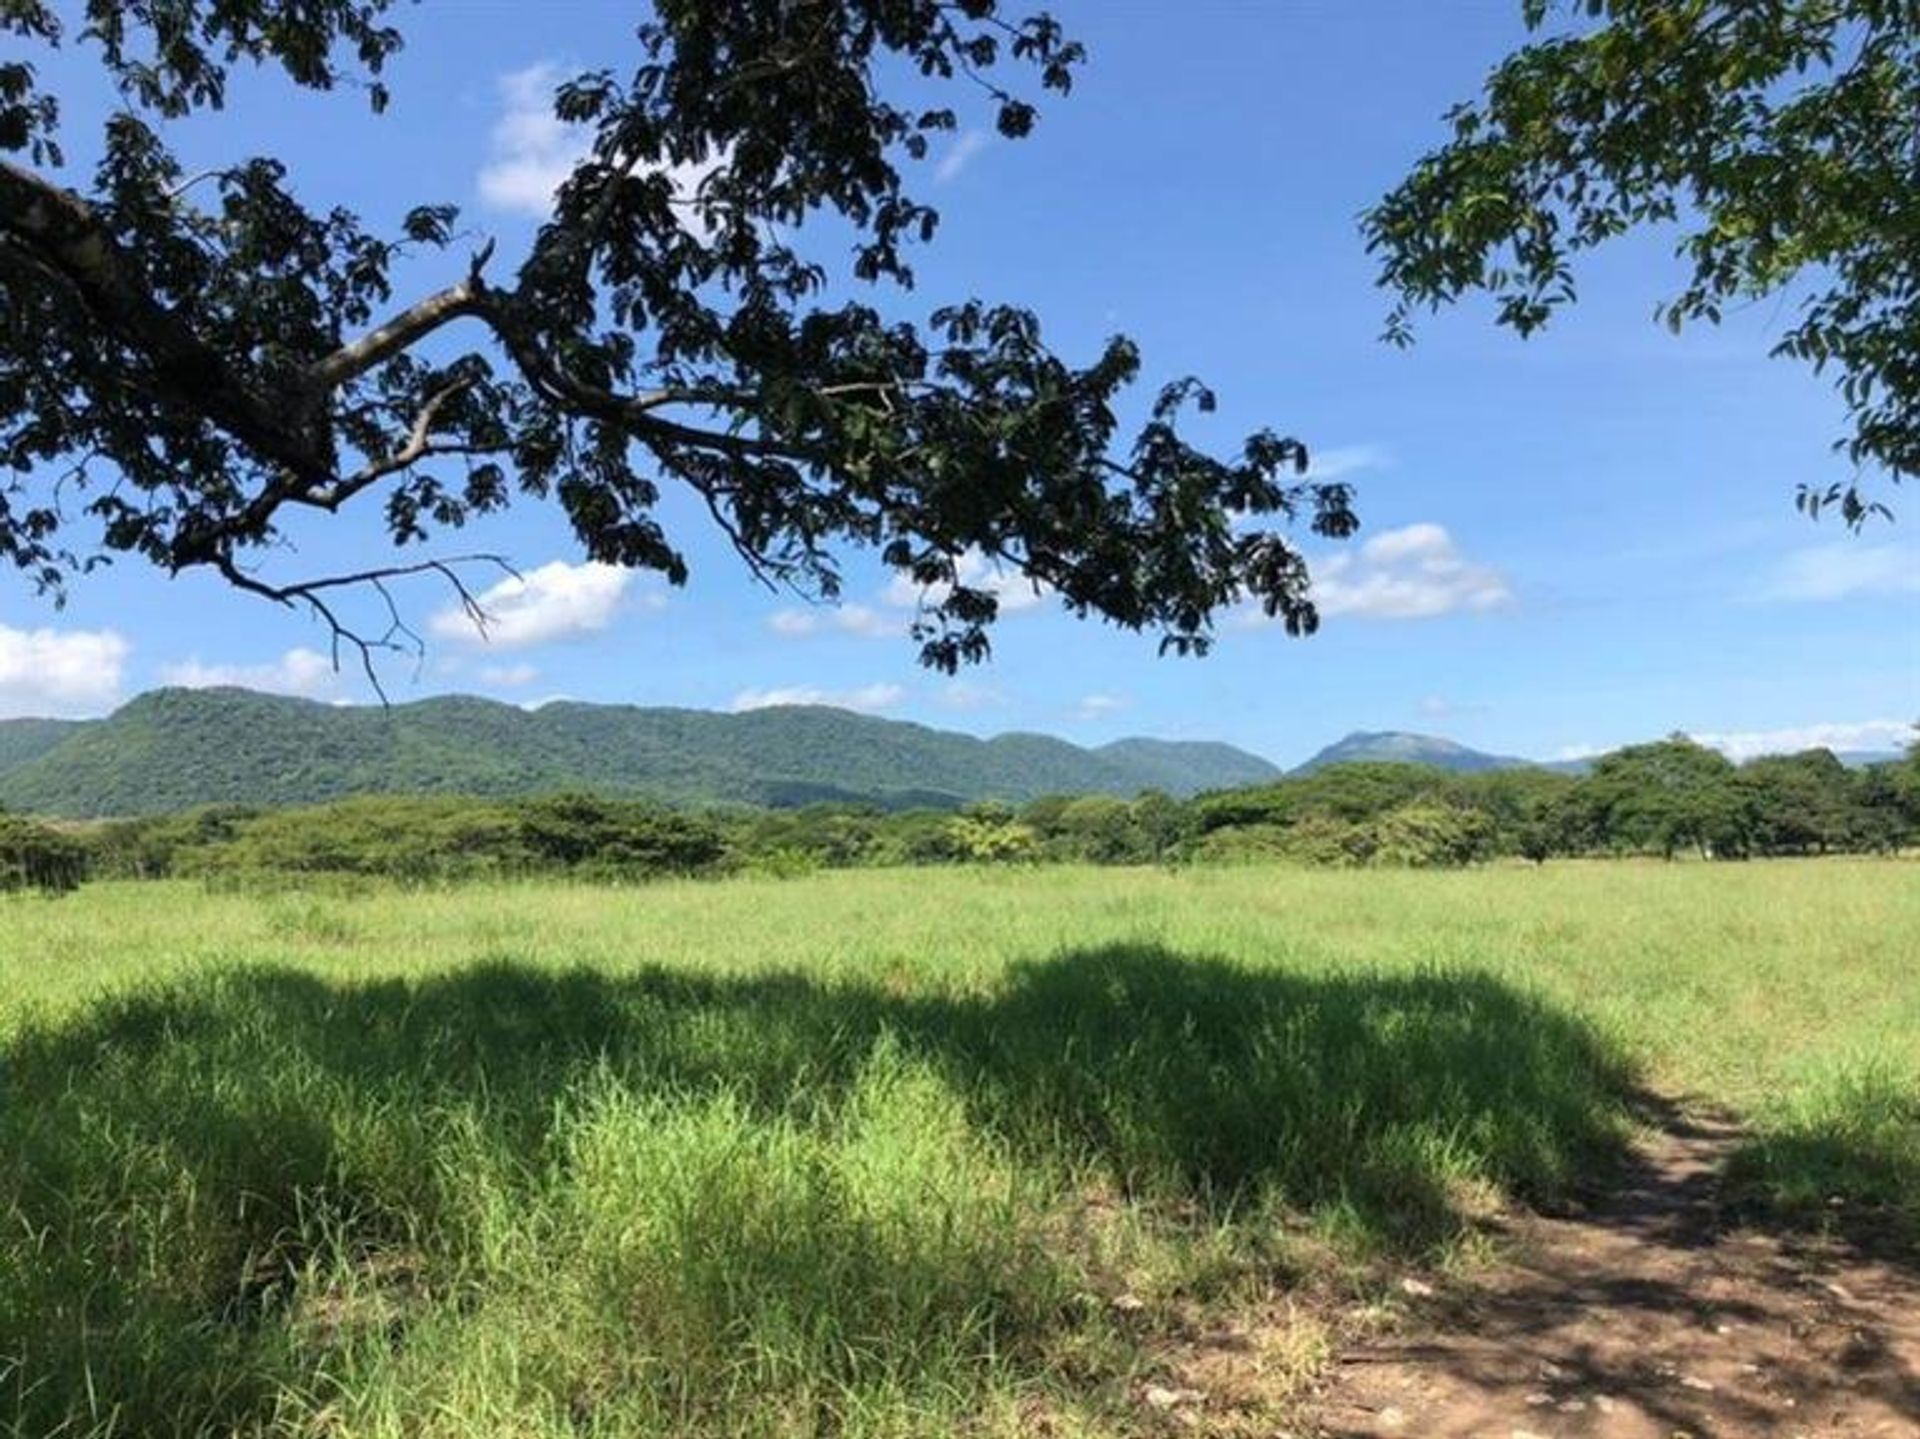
(1569, 543)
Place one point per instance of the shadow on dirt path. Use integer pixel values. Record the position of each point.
(1651, 1315)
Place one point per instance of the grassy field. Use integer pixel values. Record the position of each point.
(877, 1153)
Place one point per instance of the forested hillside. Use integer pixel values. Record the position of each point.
(173, 749)
(22, 740)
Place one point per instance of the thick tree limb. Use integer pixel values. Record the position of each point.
(60, 231)
(402, 332)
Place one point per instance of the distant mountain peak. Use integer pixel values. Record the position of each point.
(1405, 747)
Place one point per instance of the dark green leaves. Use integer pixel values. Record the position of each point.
(202, 353)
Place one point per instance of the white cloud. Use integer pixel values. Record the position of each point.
(556, 601)
(1846, 569)
(1742, 745)
(59, 672)
(1411, 573)
(793, 623)
(509, 676)
(866, 620)
(1882, 734)
(531, 152)
(1097, 706)
(303, 672)
(868, 699)
(863, 620)
(959, 155)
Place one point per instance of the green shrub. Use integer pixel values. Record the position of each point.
(1432, 836)
(33, 856)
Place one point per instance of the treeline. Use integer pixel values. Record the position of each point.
(1669, 798)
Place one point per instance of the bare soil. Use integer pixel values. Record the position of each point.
(1650, 1315)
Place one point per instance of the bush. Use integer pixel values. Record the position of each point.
(32, 856)
(1432, 836)
(990, 837)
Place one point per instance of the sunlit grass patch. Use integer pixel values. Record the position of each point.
(864, 1154)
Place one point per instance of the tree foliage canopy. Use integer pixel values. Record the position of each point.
(188, 360)
(1670, 798)
(1782, 140)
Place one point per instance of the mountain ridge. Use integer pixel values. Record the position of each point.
(171, 749)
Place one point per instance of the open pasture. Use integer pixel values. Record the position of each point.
(870, 1153)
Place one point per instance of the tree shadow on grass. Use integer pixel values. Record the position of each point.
(164, 1143)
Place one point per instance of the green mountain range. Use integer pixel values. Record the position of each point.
(172, 749)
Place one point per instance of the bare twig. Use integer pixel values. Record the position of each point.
(340, 633)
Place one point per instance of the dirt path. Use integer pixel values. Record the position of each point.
(1648, 1318)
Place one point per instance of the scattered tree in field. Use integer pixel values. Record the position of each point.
(1669, 795)
(1805, 803)
(1782, 140)
(188, 360)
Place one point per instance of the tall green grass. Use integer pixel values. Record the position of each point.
(865, 1154)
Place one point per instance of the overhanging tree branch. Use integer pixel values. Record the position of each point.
(201, 353)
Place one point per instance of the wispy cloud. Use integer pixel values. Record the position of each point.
(1338, 461)
(303, 672)
(1412, 573)
(508, 676)
(867, 699)
(892, 615)
(557, 601)
(1841, 736)
(1845, 570)
(795, 624)
(531, 152)
(1440, 707)
(1882, 734)
(59, 672)
(863, 620)
(960, 154)
(1100, 706)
